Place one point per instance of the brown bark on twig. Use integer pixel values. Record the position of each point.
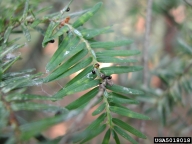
(146, 43)
(145, 56)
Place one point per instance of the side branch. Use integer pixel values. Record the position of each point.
(145, 56)
(146, 43)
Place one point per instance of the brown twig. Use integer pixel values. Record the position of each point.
(146, 43)
(145, 55)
